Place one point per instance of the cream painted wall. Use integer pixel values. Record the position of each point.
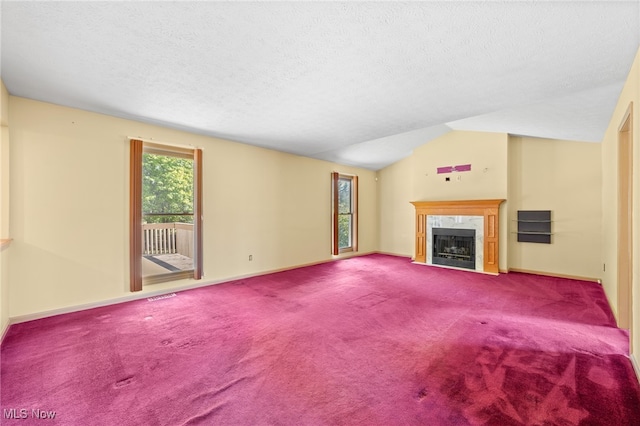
(4, 207)
(564, 177)
(609, 146)
(397, 216)
(487, 154)
(416, 179)
(69, 207)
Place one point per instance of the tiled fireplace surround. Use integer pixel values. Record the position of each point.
(480, 215)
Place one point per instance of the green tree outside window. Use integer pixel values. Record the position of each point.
(167, 188)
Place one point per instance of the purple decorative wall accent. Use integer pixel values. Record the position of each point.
(459, 168)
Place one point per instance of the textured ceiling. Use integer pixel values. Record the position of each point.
(354, 83)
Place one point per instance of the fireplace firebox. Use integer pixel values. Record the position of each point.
(454, 247)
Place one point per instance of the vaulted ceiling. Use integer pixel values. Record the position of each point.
(355, 83)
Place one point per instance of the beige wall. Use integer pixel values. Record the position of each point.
(4, 207)
(564, 177)
(397, 229)
(69, 207)
(535, 174)
(609, 146)
(416, 179)
(487, 154)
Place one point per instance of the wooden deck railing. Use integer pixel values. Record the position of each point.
(167, 238)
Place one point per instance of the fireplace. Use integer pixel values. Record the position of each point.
(454, 247)
(482, 216)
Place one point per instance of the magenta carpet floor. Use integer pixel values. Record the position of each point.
(374, 340)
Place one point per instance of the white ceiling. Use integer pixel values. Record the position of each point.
(355, 83)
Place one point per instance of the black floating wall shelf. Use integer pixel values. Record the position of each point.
(534, 226)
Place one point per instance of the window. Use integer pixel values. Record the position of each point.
(344, 190)
(165, 213)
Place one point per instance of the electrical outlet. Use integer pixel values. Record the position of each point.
(250, 257)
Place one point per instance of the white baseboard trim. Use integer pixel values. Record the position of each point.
(388, 253)
(553, 274)
(149, 292)
(4, 331)
(636, 366)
